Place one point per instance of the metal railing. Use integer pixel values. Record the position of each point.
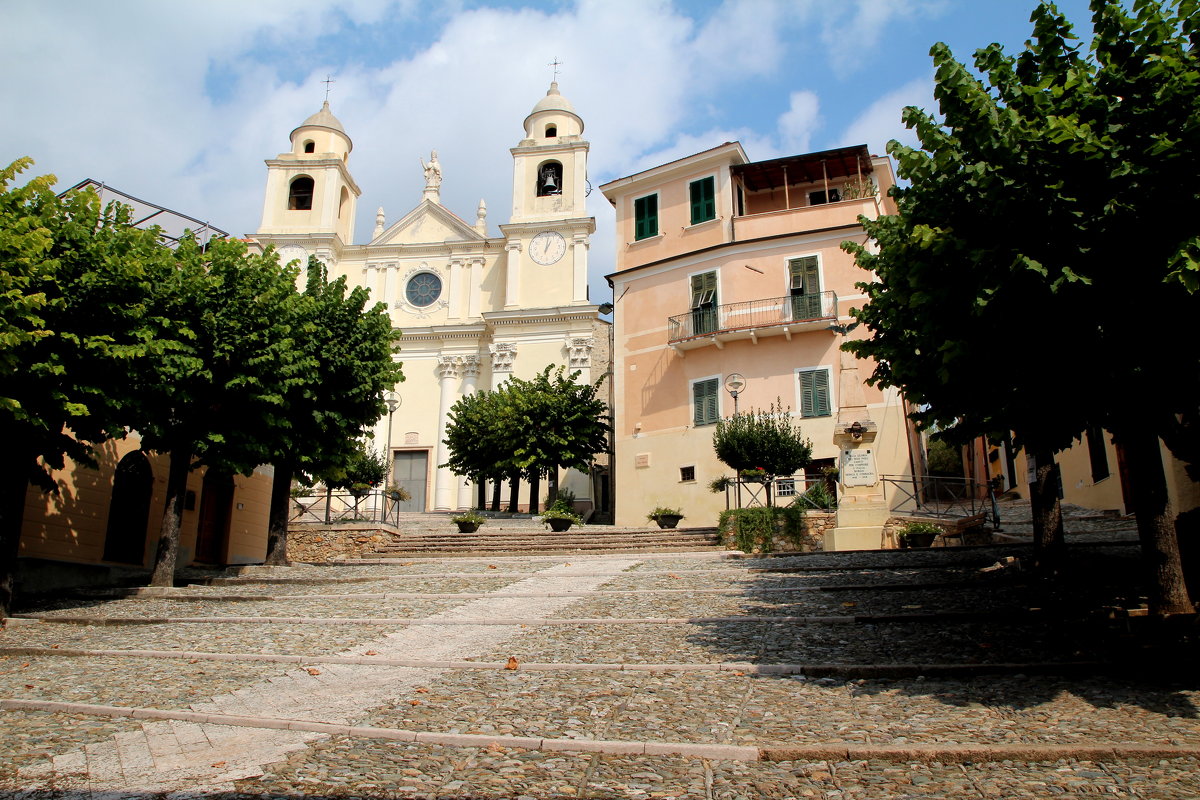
(939, 496)
(329, 507)
(784, 490)
(752, 314)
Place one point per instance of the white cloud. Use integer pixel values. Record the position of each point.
(853, 30)
(880, 122)
(800, 121)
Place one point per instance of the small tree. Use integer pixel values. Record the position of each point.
(762, 439)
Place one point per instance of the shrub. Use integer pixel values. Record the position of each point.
(754, 529)
(469, 517)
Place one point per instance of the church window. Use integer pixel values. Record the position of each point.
(551, 131)
(310, 146)
(645, 217)
(342, 201)
(300, 195)
(549, 179)
(704, 200)
(423, 289)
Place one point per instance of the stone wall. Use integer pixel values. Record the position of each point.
(811, 540)
(318, 543)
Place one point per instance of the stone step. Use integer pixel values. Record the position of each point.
(541, 541)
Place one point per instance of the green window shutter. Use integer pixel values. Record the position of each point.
(704, 402)
(814, 393)
(645, 217)
(806, 278)
(704, 289)
(704, 200)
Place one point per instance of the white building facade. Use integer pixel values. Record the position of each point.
(474, 310)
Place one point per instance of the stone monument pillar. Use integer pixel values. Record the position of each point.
(862, 509)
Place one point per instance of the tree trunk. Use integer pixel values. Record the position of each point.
(168, 537)
(15, 463)
(277, 526)
(1160, 546)
(1049, 547)
(497, 487)
(535, 484)
(552, 485)
(481, 493)
(514, 489)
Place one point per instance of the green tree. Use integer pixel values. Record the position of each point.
(219, 401)
(77, 328)
(528, 429)
(1057, 199)
(766, 439)
(560, 424)
(344, 351)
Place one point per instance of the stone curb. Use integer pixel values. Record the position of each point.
(191, 596)
(736, 667)
(860, 619)
(711, 751)
(830, 751)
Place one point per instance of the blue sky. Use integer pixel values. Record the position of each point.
(179, 102)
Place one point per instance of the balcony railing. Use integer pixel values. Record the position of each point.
(753, 315)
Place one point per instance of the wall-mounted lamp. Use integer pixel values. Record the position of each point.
(735, 382)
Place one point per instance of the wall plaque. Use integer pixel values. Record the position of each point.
(858, 467)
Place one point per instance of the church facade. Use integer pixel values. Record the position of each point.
(473, 309)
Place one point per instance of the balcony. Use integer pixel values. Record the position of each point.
(753, 319)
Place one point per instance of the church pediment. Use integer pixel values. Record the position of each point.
(428, 223)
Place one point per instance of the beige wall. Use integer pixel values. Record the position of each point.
(70, 525)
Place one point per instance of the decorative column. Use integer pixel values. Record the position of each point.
(579, 252)
(470, 372)
(388, 290)
(579, 355)
(512, 277)
(475, 289)
(455, 293)
(444, 495)
(503, 356)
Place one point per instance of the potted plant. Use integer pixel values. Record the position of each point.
(756, 475)
(718, 485)
(560, 519)
(468, 521)
(665, 517)
(918, 534)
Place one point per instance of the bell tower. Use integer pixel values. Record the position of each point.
(549, 232)
(550, 163)
(309, 189)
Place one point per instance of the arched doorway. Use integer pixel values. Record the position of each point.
(129, 510)
(216, 508)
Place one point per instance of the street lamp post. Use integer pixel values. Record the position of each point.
(734, 383)
(393, 401)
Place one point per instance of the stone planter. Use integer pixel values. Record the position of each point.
(668, 520)
(467, 527)
(558, 525)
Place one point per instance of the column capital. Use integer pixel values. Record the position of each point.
(448, 367)
(503, 355)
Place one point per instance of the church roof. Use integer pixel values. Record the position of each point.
(553, 101)
(323, 119)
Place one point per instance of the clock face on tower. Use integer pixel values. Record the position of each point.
(292, 252)
(547, 247)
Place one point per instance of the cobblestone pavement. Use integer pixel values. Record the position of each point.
(905, 674)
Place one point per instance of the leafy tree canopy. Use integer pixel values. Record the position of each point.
(766, 439)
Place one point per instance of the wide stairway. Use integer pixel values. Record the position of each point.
(430, 535)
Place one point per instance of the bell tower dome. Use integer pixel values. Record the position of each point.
(550, 163)
(310, 189)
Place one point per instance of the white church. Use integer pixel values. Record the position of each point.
(474, 310)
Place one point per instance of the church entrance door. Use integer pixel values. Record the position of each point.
(410, 471)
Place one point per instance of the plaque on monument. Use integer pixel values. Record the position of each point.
(858, 467)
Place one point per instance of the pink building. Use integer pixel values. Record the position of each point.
(730, 266)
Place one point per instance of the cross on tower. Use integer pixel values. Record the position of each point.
(328, 80)
(556, 64)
